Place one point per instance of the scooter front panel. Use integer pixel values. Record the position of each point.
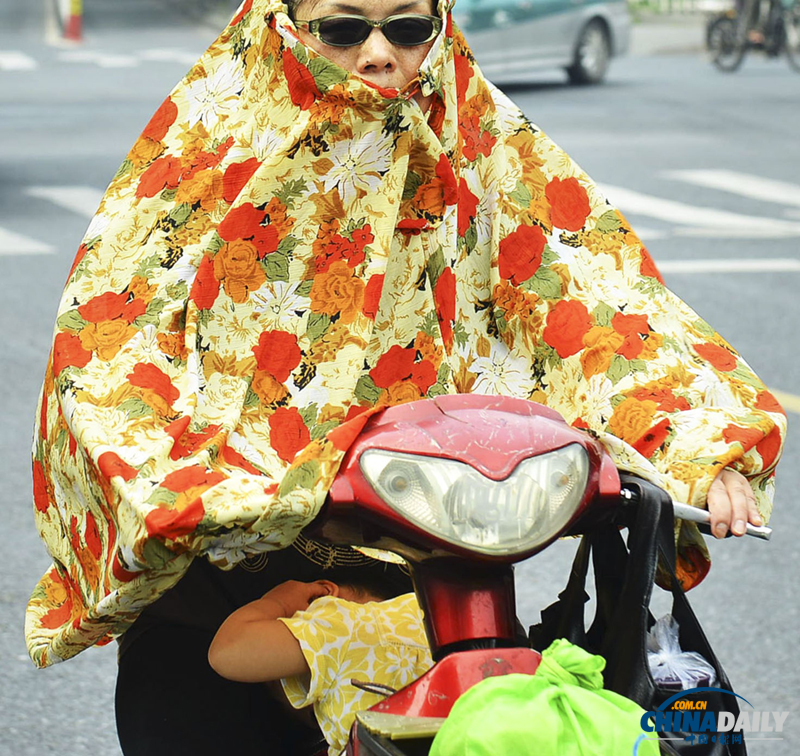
(434, 694)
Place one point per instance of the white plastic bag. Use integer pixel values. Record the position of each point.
(672, 668)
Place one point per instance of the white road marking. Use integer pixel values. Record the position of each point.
(104, 60)
(112, 60)
(165, 55)
(14, 60)
(83, 200)
(16, 244)
(651, 234)
(701, 221)
(743, 184)
(756, 265)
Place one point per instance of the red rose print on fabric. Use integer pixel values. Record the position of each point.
(232, 457)
(68, 351)
(236, 177)
(567, 323)
(464, 73)
(163, 173)
(372, 296)
(205, 288)
(423, 376)
(395, 365)
(632, 327)
(769, 447)
(187, 442)
(476, 141)
(245, 222)
(467, 207)
(277, 352)
(302, 87)
(444, 295)
(112, 465)
(190, 483)
(747, 437)
(245, 9)
(768, 403)
(569, 203)
(648, 267)
(150, 377)
(41, 494)
(163, 118)
(167, 523)
(520, 253)
(288, 433)
(651, 441)
(718, 356)
(110, 306)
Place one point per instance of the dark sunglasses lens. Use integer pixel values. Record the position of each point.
(343, 32)
(409, 31)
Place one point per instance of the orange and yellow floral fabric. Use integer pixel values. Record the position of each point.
(285, 250)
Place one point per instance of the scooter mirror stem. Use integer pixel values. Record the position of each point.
(703, 517)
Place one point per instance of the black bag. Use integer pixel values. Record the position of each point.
(624, 579)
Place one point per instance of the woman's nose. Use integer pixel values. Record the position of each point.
(376, 54)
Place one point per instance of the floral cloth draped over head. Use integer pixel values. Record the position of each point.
(285, 250)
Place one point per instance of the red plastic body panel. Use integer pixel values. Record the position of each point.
(460, 605)
(492, 434)
(434, 694)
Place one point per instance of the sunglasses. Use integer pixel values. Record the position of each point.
(406, 30)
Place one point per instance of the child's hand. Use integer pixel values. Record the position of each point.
(294, 596)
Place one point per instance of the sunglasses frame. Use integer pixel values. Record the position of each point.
(313, 27)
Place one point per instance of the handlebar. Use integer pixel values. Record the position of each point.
(702, 517)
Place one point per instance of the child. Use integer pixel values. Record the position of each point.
(317, 637)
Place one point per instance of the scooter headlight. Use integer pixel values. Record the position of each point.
(458, 504)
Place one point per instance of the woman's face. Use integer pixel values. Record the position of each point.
(377, 60)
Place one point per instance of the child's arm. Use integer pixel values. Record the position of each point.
(253, 646)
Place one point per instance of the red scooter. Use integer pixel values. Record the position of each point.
(462, 487)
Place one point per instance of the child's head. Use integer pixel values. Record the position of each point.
(358, 585)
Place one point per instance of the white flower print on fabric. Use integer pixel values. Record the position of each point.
(358, 165)
(214, 97)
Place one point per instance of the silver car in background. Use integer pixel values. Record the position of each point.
(512, 39)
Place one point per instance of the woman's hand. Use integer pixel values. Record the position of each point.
(731, 504)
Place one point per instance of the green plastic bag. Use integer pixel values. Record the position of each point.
(562, 710)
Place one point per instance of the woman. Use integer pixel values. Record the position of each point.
(328, 216)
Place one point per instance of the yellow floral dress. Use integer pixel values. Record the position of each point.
(379, 642)
(285, 250)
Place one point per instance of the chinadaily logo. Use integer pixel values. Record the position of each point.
(694, 720)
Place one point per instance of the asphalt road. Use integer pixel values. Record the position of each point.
(690, 154)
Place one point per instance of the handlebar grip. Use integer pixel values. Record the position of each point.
(702, 517)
